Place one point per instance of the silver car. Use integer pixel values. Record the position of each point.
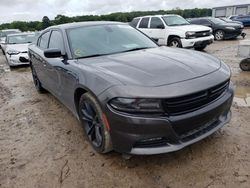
(17, 48)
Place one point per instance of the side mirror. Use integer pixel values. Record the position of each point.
(53, 53)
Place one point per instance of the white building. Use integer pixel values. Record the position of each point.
(231, 10)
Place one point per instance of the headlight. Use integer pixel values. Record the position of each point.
(189, 34)
(230, 28)
(137, 105)
(12, 52)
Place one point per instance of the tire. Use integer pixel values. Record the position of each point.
(200, 48)
(36, 81)
(245, 65)
(92, 119)
(175, 43)
(219, 35)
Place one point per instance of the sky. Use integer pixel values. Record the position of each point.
(32, 10)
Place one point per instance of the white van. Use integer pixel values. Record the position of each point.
(175, 31)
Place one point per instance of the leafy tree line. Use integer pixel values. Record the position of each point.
(118, 16)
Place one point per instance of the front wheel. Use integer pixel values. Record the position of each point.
(175, 43)
(219, 35)
(95, 123)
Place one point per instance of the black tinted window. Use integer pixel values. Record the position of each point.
(135, 22)
(144, 23)
(156, 23)
(206, 22)
(43, 41)
(56, 40)
(195, 21)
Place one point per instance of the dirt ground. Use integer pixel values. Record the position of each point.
(43, 145)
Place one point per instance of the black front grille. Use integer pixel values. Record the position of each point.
(202, 34)
(189, 103)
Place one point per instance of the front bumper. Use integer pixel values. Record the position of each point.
(191, 43)
(158, 134)
(229, 34)
(20, 59)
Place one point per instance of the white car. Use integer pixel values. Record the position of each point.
(175, 31)
(17, 48)
(3, 36)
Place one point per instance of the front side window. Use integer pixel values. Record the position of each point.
(106, 39)
(156, 23)
(43, 40)
(175, 20)
(144, 23)
(21, 39)
(56, 40)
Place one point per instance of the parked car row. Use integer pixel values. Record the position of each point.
(14, 46)
(174, 31)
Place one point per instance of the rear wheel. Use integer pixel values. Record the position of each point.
(94, 123)
(245, 65)
(219, 35)
(175, 43)
(36, 81)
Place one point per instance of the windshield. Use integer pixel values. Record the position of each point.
(21, 39)
(217, 21)
(175, 20)
(106, 39)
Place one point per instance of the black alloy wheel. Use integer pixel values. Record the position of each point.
(94, 125)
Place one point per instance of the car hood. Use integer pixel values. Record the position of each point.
(235, 25)
(192, 27)
(155, 67)
(18, 47)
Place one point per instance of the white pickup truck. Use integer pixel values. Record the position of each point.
(175, 31)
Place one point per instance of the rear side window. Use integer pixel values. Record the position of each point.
(43, 40)
(135, 22)
(56, 41)
(195, 21)
(156, 23)
(144, 23)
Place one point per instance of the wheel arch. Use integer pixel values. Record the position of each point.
(79, 91)
(170, 37)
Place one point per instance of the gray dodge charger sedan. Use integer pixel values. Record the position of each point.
(131, 95)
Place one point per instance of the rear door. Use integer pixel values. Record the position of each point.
(157, 30)
(143, 26)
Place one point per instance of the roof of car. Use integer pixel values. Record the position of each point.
(18, 34)
(157, 15)
(82, 24)
(4, 30)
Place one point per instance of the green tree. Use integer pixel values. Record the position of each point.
(45, 22)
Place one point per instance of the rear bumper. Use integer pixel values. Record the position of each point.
(154, 135)
(191, 43)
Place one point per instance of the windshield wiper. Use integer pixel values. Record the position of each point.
(94, 55)
(135, 49)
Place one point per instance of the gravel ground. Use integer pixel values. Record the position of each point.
(43, 145)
